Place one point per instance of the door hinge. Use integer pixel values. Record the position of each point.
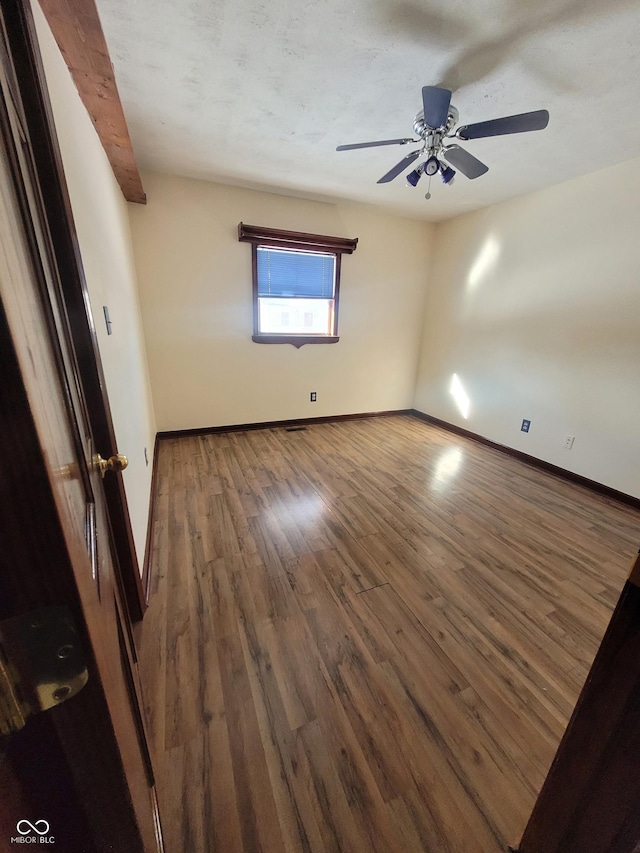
(42, 664)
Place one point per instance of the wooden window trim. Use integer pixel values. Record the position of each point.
(337, 246)
(295, 240)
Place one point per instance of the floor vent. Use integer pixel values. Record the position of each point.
(295, 429)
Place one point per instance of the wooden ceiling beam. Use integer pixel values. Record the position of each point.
(76, 27)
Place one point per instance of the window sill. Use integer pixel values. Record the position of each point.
(296, 340)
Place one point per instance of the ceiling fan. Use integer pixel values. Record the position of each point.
(434, 125)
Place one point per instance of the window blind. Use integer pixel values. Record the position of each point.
(295, 274)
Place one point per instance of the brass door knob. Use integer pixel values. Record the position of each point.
(113, 463)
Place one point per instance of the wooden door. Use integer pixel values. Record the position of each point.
(589, 802)
(82, 767)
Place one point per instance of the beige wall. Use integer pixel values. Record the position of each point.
(195, 288)
(535, 305)
(101, 219)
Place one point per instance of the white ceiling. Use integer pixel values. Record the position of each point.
(259, 93)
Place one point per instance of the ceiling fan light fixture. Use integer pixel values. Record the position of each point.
(414, 177)
(431, 166)
(447, 174)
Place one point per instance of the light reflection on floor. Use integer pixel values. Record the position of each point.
(446, 468)
(307, 507)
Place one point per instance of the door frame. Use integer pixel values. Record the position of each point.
(37, 116)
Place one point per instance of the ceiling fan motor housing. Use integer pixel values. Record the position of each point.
(422, 129)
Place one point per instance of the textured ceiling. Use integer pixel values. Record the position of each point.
(259, 94)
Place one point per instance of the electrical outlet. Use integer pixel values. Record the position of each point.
(313, 396)
(526, 425)
(568, 441)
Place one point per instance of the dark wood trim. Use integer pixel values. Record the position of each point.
(589, 801)
(336, 296)
(179, 433)
(578, 479)
(634, 574)
(254, 290)
(148, 548)
(297, 340)
(40, 127)
(295, 239)
(76, 27)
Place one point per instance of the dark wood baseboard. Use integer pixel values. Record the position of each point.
(594, 486)
(179, 433)
(148, 547)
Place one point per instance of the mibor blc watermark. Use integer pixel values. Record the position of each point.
(33, 833)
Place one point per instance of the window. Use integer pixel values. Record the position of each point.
(296, 292)
(296, 285)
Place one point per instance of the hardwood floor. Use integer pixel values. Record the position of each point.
(366, 636)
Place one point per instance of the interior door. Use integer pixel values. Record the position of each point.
(589, 800)
(74, 763)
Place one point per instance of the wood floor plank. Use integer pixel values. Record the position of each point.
(365, 636)
(486, 766)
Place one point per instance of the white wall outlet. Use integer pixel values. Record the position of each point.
(568, 441)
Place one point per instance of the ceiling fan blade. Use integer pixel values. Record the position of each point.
(435, 102)
(521, 123)
(465, 162)
(399, 167)
(375, 144)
